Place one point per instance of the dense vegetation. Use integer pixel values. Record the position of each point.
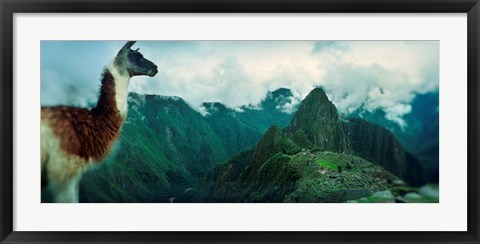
(165, 146)
(170, 152)
(317, 158)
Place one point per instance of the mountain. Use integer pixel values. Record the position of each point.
(316, 124)
(273, 142)
(420, 136)
(317, 158)
(377, 144)
(276, 109)
(165, 146)
(168, 151)
(159, 153)
(240, 130)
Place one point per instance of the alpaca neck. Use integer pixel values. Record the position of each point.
(114, 91)
(122, 80)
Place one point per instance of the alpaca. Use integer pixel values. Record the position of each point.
(72, 139)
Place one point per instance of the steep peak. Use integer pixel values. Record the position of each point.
(273, 130)
(316, 123)
(266, 147)
(314, 108)
(316, 100)
(271, 136)
(317, 94)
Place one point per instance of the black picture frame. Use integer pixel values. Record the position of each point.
(9, 7)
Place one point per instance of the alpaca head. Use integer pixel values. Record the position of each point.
(134, 62)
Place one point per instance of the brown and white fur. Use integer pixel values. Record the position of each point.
(73, 138)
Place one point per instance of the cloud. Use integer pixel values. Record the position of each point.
(71, 71)
(290, 105)
(381, 75)
(325, 46)
(234, 73)
(355, 74)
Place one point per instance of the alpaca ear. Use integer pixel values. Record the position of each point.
(128, 45)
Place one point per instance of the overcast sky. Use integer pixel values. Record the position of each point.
(372, 74)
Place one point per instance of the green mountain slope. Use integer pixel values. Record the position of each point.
(316, 124)
(165, 146)
(421, 134)
(317, 158)
(377, 144)
(170, 152)
(305, 176)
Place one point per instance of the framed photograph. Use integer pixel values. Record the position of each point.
(224, 122)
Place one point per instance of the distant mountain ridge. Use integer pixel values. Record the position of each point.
(315, 144)
(165, 146)
(421, 134)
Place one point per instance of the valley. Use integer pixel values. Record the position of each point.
(170, 152)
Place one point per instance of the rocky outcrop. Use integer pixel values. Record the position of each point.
(316, 124)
